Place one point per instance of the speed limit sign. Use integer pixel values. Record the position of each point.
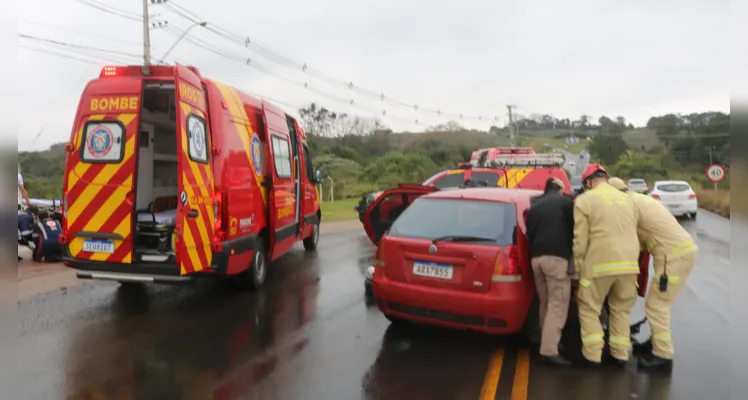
(716, 173)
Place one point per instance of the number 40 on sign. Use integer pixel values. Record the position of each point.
(716, 173)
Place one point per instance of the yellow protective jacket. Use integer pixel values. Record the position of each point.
(659, 231)
(605, 237)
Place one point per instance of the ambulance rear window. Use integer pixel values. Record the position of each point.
(103, 142)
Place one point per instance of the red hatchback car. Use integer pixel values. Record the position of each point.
(458, 259)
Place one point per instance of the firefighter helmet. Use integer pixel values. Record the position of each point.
(591, 170)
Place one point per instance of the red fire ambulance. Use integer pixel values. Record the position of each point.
(171, 176)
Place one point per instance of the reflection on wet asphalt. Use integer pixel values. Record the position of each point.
(310, 335)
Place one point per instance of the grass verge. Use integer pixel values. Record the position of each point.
(717, 202)
(339, 210)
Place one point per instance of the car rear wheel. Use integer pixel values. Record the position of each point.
(254, 276)
(531, 329)
(310, 243)
(395, 320)
(692, 215)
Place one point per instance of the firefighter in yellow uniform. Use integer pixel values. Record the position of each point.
(674, 253)
(606, 253)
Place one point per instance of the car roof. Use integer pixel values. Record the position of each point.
(486, 194)
(636, 179)
(672, 182)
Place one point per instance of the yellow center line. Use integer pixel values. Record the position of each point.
(521, 375)
(491, 382)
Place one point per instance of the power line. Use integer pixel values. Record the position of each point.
(78, 46)
(77, 32)
(107, 10)
(69, 57)
(303, 67)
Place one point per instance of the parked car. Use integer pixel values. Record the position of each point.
(467, 269)
(638, 185)
(677, 196)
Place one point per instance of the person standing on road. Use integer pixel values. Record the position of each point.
(674, 253)
(606, 253)
(23, 195)
(550, 229)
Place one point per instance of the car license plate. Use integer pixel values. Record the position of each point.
(674, 205)
(432, 270)
(98, 246)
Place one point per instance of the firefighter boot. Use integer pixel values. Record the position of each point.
(654, 363)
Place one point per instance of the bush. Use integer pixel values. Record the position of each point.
(717, 202)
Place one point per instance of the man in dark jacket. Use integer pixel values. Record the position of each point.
(550, 228)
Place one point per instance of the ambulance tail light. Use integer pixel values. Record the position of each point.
(506, 268)
(219, 235)
(109, 71)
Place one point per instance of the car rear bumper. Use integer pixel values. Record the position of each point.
(502, 310)
(682, 208)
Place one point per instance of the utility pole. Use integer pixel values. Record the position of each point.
(146, 35)
(512, 139)
(710, 150)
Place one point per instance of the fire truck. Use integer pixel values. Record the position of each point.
(513, 168)
(170, 176)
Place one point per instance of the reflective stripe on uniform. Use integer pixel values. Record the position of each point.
(585, 282)
(43, 231)
(683, 248)
(617, 266)
(593, 338)
(671, 279)
(662, 337)
(620, 341)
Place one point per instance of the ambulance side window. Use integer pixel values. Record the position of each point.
(309, 167)
(103, 142)
(282, 157)
(198, 139)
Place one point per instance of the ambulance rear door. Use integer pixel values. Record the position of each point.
(196, 209)
(98, 196)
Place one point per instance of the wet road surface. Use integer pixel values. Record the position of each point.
(310, 335)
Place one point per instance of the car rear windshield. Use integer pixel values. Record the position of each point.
(673, 187)
(637, 181)
(441, 218)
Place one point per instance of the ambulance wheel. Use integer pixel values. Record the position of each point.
(254, 276)
(310, 243)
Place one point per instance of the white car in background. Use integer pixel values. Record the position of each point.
(638, 185)
(677, 196)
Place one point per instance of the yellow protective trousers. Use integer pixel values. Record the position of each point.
(621, 293)
(659, 304)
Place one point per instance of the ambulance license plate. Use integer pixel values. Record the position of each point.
(98, 246)
(432, 270)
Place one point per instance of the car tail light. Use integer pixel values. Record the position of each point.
(506, 268)
(692, 196)
(656, 197)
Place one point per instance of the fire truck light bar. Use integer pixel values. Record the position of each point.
(527, 160)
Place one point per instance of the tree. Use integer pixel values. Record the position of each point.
(608, 148)
(319, 121)
(450, 126)
(667, 129)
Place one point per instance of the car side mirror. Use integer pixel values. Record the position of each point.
(318, 175)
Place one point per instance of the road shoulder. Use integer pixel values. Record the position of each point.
(35, 278)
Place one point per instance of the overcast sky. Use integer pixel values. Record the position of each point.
(634, 58)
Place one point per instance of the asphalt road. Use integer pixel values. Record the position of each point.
(309, 335)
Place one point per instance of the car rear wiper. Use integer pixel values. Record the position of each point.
(462, 239)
